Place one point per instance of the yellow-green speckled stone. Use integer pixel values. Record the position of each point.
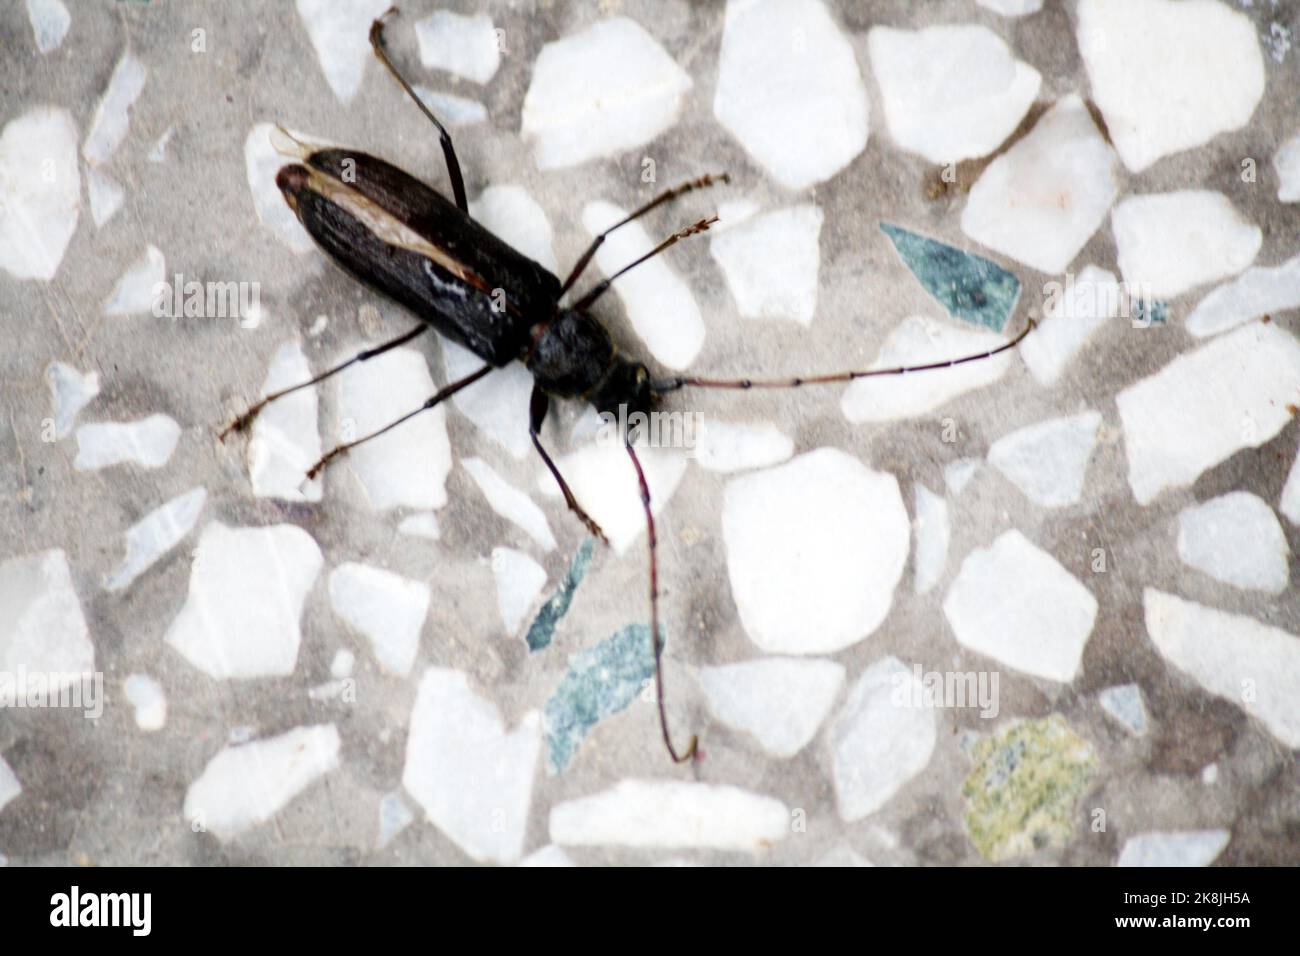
(1020, 796)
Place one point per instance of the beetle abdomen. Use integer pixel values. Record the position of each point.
(403, 239)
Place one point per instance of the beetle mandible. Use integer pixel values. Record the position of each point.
(408, 242)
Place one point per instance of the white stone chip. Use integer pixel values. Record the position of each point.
(737, 446)
(394, 817)
(105, 195)
(1169, 243)
(42, 628)
(340, 33)
(1289, 504)
(154, 535)
(519, 580)
(1206, 405)
(815, 549)
(606, 89)
(671, 813)
(1256, 292)
(1012, 8)
(513, 214)
(261, 163)
(951, 92)
(497, 404)
(147, 698)
(148, 443)
(453, 110)
(1074, 310)
(112, 116)
(958, 474)
(1015, 603)
(1124, 703)
(158, 154)
(734, 211)
(781, 701)
(1248, 663)
(136, 290)
(878, 741)
(473, 779)
(1287, 165)
(286, 438)
(342, 664)
(1169, 75)
(246, 592)
(511, 503)
(386, 607)
(1236, 539)
(40, 192)
(790, 89)
(465, 46)
(917, 341)
(70, 391)
(1042, 200)
(1048, 461)
(932, 530)
(248, 784)
(408, 466)
(10, 788)
(603, 479)
(1174, 848)
(549, 855)
(423, 524)
(50, 21)
(659, 303)
(770, 263)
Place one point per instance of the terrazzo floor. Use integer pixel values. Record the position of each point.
(1036, 609)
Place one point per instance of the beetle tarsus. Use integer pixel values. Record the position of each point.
(594, 528)
(242, 422)
(377, 25)
(692, 750)
(329, 456)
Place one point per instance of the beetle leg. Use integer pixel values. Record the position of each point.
(442, 395)
(538, 405)
(246, 419)
(702, 182)
(601, 287)
(448, 150)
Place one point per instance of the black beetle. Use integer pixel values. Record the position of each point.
(405, 240)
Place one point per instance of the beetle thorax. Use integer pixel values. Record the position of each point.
(574, 357)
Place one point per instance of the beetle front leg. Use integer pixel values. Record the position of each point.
(538, 406)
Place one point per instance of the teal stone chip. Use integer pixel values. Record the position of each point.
(542, 630)
(973, 289)
(600, 681)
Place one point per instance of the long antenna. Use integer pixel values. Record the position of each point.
(603, 285)
(655, 642)
(673, 384)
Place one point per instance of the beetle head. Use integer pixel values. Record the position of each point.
(625, 390)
